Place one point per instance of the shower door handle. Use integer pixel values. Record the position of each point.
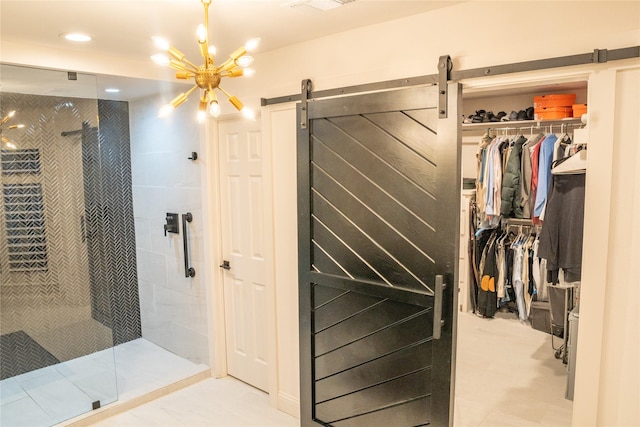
(188, 270)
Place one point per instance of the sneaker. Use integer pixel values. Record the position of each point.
(529, 112)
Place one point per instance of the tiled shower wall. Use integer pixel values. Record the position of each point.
(118, 234)
(173, 307)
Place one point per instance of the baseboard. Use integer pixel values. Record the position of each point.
(118, 407)
(289, 404)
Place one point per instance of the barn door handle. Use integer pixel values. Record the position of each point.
(188, 271)
(437, 307)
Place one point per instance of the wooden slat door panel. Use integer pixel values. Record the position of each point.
(378, 189)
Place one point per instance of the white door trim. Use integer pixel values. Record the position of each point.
(213, 253)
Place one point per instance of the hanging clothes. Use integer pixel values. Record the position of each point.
(487, 296)
(481, 158)
(562, 231)
(511, 198)
(515, 180)
(525, 174)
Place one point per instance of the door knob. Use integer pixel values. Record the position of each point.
(226, 265)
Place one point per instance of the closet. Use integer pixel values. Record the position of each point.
(505, 234)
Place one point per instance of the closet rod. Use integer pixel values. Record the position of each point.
(598, 56)
(519, 126)
(518, 221)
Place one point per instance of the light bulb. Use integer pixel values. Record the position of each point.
(214, 109)
(202, 116)
(248, 113)
(160, 43)
(252, 44)
(165, 110)
(202, 33)
(212, 50)
(77, 37)
(244, 61)
(249, 72)
(161, 59)
(11, 113)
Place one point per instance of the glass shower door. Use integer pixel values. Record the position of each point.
(57, 357)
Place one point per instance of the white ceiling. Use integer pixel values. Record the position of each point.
(122, 29)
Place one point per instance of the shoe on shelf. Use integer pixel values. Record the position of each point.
(488, 117)
(522, 115)
(478, 117)
(529, 112)
(513, 116)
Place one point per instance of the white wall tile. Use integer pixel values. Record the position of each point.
(173, 307)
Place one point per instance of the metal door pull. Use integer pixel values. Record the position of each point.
(188, 271)
(437, 307)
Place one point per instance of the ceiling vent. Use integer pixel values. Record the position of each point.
(322, 5)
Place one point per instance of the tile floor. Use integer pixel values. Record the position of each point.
(51, 395)
(507, 375)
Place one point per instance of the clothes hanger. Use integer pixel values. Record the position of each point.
(575, 164)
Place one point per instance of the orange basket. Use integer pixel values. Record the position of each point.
(555, 100)
(579, 110)
(552, 113)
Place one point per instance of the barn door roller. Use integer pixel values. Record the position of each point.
(444, 75)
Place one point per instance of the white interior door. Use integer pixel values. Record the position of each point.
(243, 247)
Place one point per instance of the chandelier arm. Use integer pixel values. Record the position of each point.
(187, 62)
(206, 20)
(225, 92)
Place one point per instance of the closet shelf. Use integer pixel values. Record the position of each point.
(521, 124)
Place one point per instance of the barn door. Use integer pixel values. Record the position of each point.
(378, 199)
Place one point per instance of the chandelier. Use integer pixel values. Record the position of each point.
(208, 75)
(5, 141)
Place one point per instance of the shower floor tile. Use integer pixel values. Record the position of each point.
(23, 412)
(51, 395)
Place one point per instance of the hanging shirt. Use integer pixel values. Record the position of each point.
(525, 180)
(493, 178)
(482, 163)
(544, 172)
(535, 156)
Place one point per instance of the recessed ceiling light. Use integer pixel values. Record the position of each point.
(112, 90)
(76, 37)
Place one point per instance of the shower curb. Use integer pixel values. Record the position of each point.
(120, 407)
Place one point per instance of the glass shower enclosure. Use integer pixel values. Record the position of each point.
(68, 285)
